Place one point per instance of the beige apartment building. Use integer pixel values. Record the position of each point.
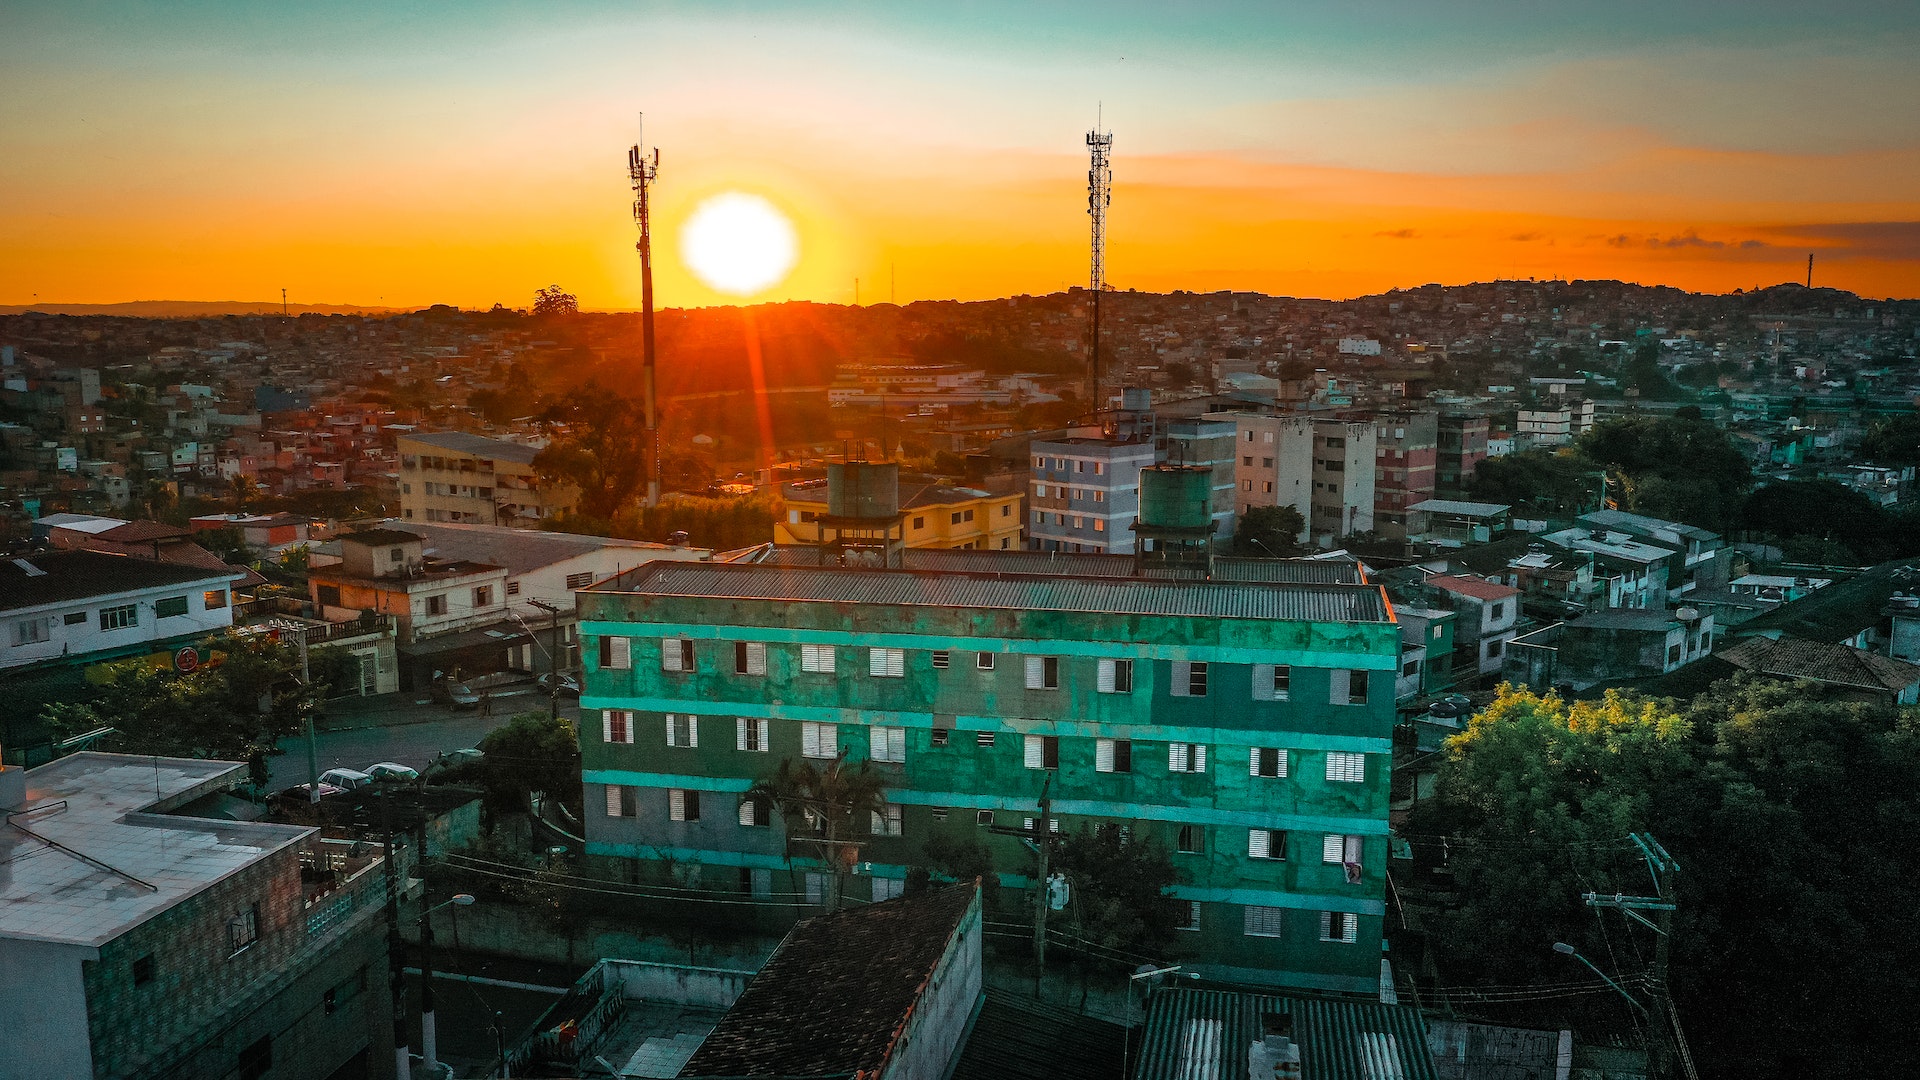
(451, 476)
(1322, 467)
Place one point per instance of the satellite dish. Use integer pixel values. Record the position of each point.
(1688, 614)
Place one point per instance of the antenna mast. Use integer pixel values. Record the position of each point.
(643, 169)
(1099, 196)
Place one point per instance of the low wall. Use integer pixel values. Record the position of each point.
(494, 926)
(710, 988)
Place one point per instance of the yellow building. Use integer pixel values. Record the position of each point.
(452, 476)
(934, 516)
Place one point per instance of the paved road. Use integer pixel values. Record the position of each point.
(409, 733)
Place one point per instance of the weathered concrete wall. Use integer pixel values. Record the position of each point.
(509, 930)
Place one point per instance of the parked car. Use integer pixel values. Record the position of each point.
(448, 759)
(346, 779)
(458, 695)
(392, 772)
(297, 794)
(569, 683)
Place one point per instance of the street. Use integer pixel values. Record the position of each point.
(402, 728)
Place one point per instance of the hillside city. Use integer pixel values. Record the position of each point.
(361, 693)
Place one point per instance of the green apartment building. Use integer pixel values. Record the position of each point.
(1245, 724)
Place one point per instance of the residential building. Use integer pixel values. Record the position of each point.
(1244, 725)
(67, 605)
(1627, 572)
(1608, 647)
(451, 476)
(1323, 468)
(1086, 493)
(1854, 674)
(447, 613)
(1462, 446)
(1426, 638)
(1877, 610)
(936, 516)
(1489, 615)
(1230, 1035)
(1406, 449)
(1211, 443)
(1555, 425)
(1455, 523)
(1701, 559)
(140, 939)
(267, 534)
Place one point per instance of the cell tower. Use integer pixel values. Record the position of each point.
(643, 169)
(1099, 196)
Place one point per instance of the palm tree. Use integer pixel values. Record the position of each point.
(823, 808)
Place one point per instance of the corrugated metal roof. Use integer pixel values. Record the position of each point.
(1013, 592)
(1205, 1035)
(1070, 564)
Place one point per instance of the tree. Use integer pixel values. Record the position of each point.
(823, 808)
(1269, 532)
(1539, 481)
(1120, 883)
(531, 752)
(554, 301)
(601, 451)
(1823, 510)
(1893, 441)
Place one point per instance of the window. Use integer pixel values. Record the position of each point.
(1498, 611)
(983, 738)
(168, 606)
(1339, 850)
(955, 518)
(1266, 844)
(920, 522)
(1341, 926)
(1494, 648)
(983, 817)
(616, 726)
(941, 658)
(30, 631)
(1272, 682)
(1266, 463)
(755, 813)
(1191, 840)
(327, 595)
(1043, 673)
(1006, 510)
(887, 663)
(1262, 921)
(213, 599)
(757, 882)
(1186, 757)
(676, 654)
(887, 820)
(483, 596)
(1188, 916)
(622, 801)
(581, 580)
(1189, 680)
(119, 618)
(437, 605)
(1112, 756)
(967, 516)
(816, 886)
(1347, 687)
(1247, 461)
(1053, 824)
(887, 744)
(817, 658)
(1673, 653)
(1043, 751)
(143, 970)
(749, 658)
(256, 1058)
(243, 928)
(1267, 761)
(1116, 677)
(513, 588)
(983, 661)
(819, 740)
(939, 736)
(75, 618)
(750, 734)
(683, 730)
(1346, 766)
(885, 889)
(683, 805)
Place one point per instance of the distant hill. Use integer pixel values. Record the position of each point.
(194, 309)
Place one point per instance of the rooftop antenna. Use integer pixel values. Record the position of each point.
(1809, 269)
(1099, 196)
(283, 303)
(643, 169)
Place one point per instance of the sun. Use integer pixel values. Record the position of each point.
(739, 243)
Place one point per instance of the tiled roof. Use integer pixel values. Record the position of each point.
(57, 576)
(461, 442)
(1206, 1034)
(1011, 592)
(134, 532)
(1837, 665)
(836, 994)
(1477, 588)
(1017, 1038)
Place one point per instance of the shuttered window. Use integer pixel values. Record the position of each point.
(1272, 682)
(887, 744)
(1262, 921)
(749, 658)
(887, 663)
(1043, 751)
(754, 812)
(1346, 767)
(1043, 673)
(676, 654)
(616, 726)
(1116, 677)
(1266, 844)
(750, 733)
(1349, 687)
(1189, 679)
(1266, 761)
(616, 653)
(819, 740)
(1112, 756)
(1186, 757)
(816, 885)
(683, 730)
(1189, 914)
(683, 805)
(622, 801)
(1338, 848)
(817, 658)
(941, 658)
(887, 820)
(1341, 926)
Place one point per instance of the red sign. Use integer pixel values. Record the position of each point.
(186, 659)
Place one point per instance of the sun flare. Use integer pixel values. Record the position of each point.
(738, 243)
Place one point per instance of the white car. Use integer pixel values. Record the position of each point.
(346, 779)
(392, 772)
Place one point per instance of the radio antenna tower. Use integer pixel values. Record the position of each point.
(1099, 196)
(643, 169)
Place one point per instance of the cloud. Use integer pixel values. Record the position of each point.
(1679, 241)
(1859, 239)
(1399, 234)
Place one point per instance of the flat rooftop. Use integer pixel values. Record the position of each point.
(1291, 601)
(118, 864)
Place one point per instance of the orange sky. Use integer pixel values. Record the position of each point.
(466, 155)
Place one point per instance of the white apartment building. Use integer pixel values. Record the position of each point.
(1084, 495)
(1323, 468)
(65, 604)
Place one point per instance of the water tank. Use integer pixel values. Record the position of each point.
(863, 490)
(1176, 496)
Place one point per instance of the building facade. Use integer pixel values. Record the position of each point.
(1085, 495)
(1462, 446)
(73, 604)
(1406, 451)
(451, 476)
(936, 516)
(1244, 726)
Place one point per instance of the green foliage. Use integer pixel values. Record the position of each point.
(602, 452)
(232, 712)
(1680, 469)
(1893, 441)
(531, 752)
(1269, 532)
(1840, 521)
(1120, 898)
(1778, 802)
(826, 805)
(1539, 482)
(960, 860)
(721, 524)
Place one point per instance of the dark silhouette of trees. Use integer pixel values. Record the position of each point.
(599, 450)
(554, 301)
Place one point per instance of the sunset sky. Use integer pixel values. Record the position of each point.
(405, 154)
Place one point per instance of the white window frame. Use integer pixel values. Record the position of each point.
(1346, 767)
(1106, 756)
(1258, 920)
(1037, 672)
(1183, 673)
(1116, 676)
(983, 661)
(618, 796)
(1192, 921)
(1342, 927)
(755, 657)
(819, 741)
(887, 744)
(1034, 751)
(750, 734)
(889, 820)
(1272, 682)
(1279, 761)
(1183, 757)
(678, 804)
(1339, 849)
(886, 663)
(1267, 844)
(1341, 685)
(817, 658)
(674, 654)
(683, 730)
(616, 726)
(749, 813)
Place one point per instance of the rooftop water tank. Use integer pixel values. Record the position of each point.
(1176, 497)
(863, 490)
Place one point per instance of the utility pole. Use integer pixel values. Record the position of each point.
(643, 170)
(429, 1038)
(396, 950)
(1661, 1027)
(1044, 844)
(553, 659)
(1099, 197)
(313, 741)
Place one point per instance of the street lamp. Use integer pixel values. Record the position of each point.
(1126, 1040)
(1565, 949)
(429, 1042)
